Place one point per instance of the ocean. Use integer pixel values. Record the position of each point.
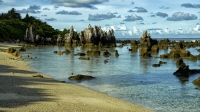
(128, 77)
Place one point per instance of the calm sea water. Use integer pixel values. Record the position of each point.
(128, 77)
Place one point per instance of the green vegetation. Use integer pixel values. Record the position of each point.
(13, 26)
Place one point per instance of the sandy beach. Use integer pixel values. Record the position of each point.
(21, 92)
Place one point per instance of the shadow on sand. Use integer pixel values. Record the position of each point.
(14, 91)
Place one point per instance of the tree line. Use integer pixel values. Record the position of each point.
(13, 27)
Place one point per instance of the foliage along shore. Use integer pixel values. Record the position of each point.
(13, 27)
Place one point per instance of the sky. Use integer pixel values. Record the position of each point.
(125, 17)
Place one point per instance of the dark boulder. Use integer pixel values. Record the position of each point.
(156, 65)
(67, 51)
(84, 58)
(183, 69)
(81, 77)
(93, 52)
(105, 61)
(106, 54)
(81, 54)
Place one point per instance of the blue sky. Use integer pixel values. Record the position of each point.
(127, 17)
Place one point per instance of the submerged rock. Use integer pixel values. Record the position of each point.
(162, 62)
(182, 71)
(116, 54)
(84, 58)
(93, 52)
(156, 65)
(81, 77)
(105, 61)
(106, 53)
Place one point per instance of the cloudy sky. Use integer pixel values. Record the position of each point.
(129, 16)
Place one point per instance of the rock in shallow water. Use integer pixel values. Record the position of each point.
(197, 81)
(81, 77)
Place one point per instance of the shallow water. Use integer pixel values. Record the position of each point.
(128, 77)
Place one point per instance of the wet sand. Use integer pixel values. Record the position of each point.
(20, 92)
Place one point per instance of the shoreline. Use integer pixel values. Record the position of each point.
(20, 91)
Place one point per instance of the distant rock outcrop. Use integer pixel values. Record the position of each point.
(90, 36)
(177, 51)
(69, 37)
(147, 44)
(31, 37)
(96, 36)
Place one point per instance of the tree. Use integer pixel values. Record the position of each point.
(12, 14)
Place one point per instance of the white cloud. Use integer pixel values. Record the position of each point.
(112, 27)
(79, 3)
(166, 30)
(122, 27)
(197, 28)
(130, 32)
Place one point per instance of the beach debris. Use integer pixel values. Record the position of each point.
(11, 58)
(38, 75)
(81, 77)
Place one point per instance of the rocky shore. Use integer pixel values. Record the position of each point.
(22, 89)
